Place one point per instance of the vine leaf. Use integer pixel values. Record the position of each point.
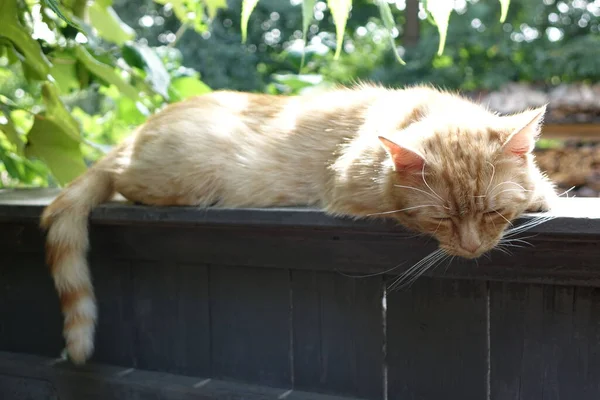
(54, 138)
(22, 40)
(187, 86)
(105, 72)
(145, 58)
(389, 23)
(339, 11)
(247, 8)
(308, 12)
(440, 11)
(108, 24)
(504, 10)
(212, 6)
(53, 5)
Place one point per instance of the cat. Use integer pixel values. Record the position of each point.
(436, 162)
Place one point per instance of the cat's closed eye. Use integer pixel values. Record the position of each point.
(498, 211)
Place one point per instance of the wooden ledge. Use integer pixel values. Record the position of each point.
(578, 216)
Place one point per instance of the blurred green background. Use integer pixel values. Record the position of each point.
(68, 93)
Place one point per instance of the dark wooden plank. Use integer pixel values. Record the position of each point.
(40, 378)
(23, 388)
(172, 317)
(30, 318)
(21, 237)
(557, 260)
(436, 340)
(250, 322)
(338, 334)
(574, 215)
(552, 259)
(544, 342)
(114, 341)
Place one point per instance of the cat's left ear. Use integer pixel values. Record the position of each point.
(522, 140)
(404, 158)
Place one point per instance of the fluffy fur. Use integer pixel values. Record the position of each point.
(437, 163)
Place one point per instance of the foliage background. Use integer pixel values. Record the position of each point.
(135, 56)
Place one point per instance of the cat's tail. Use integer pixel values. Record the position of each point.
(66, 220)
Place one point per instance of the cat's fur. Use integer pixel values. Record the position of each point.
(453, 169)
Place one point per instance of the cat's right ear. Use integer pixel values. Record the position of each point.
(404, 159)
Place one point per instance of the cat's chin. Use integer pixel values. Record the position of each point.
(458, 252)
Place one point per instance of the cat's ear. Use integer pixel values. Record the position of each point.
(404, 159)
(522, 140)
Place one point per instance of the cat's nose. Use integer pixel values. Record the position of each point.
(470, 244)
(469, 236)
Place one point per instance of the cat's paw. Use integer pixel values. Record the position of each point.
(539, 205)
(544, 200)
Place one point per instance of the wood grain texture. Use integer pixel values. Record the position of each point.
(30, 318)
(436, 340)
(171, 314)
(544, 342)
(250, 329)
(338, 334)
(43, 380)
(115, 332)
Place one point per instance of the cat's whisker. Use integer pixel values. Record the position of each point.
(521, 238)
(448, 264)
(422, 191)
(512, 190)
(501, 249)
(431, 266)
(506, 219)
(509, 233)
(492, 178)
(369, 275)
(411, 274)
(566, 192)
(427, 184)
(438, 227)
(507, 183)
(409, 271)
(403, 209)
(510, 242)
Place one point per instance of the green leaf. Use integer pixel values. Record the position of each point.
(390, 24)
(64, 72)
(62, 155)
(339, 11)
(105, 72)
(297, 82)
(189, 12)
(12, 167)
(247, 8)
(212, 6)
(108, 24)
(146, 58)
(308, 13)
(54, 138)
(182, 88)
(57, 112)
(440, 11)
(504, 10)
(10, 131)
(53, 5)
(21, 39)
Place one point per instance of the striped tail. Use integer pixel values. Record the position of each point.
(66, 220)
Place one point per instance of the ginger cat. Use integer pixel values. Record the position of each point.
(436, 162)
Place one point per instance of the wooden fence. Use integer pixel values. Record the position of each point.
(257, 304)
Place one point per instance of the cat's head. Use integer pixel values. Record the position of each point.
(464, 178)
